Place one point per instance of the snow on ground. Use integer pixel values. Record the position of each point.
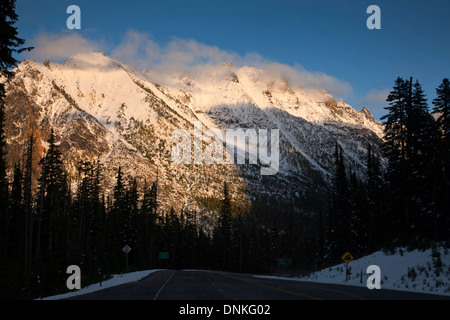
(116, 280)
(415, 270)
(404, 270)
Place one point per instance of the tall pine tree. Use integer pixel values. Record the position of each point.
(411, 138)
(52, 220)
(4, 215)
(442, 111)
(339, 215)
(52, 209)
(425, 145)
(10, 44)
(223, 236)
(396, 149)
(4, 219)
(375, 218)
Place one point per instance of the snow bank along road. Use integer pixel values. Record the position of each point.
(209, 285)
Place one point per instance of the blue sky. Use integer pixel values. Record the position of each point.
(322, 37)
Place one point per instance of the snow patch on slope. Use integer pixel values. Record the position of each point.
(115, 280)
(416, 271)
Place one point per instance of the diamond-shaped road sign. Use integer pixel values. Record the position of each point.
(347, 257)
(126, 249)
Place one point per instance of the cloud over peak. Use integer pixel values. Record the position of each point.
(182, 56)
(61, 46)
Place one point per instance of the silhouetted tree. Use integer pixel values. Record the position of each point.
(338, 225)
(222, 234)
(10, 43)
(52, 217)
(442, 111)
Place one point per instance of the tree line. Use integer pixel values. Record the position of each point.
(48, 228)
(43, 231)
(407, 203)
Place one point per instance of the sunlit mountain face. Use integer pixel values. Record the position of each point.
(103, 110)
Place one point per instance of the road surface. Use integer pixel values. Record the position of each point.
(210, 285)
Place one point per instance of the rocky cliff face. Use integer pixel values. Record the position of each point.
(101, 109)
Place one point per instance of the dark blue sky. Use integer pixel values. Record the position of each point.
(325, 36)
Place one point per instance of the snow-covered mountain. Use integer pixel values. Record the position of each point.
(102, 109)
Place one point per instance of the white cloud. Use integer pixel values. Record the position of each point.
(182, 56)
(62, 46)
(375, 101)
(298, 76)
(375, 96)
(192, 57)
(137, 49)
(179, 55)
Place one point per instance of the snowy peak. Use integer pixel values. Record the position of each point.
(94, 61)
(103, 109)
(228, 85)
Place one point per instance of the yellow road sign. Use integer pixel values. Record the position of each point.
(347, 257)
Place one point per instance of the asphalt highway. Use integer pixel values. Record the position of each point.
(211, 285)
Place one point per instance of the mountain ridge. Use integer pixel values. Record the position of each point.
(101, 109)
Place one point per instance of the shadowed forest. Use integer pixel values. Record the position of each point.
(47, 228)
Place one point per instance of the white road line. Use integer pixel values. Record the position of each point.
(162, 287)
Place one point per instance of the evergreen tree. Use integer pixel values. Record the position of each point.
(172, 227)
(98, 219)
(416, 123)
(395, 121)
(130, 215)
(339, 215)
(396, 150)
(4, 216)
(52, 191)
(79, 233)
(225, 209)
(223, 234)
(88, 219)
(10, 43)
(115, 222)
(375, 220)
(150, 199)
(147, 228)
(411, 143)
(442, 111)
(357, 210)
(28, 205)
(424, 161)
(119, 192)
(51, 244)
(17, 223)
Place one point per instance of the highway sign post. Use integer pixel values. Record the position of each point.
(164, 255)
(284, 261)
(347, 257)
(127, 250)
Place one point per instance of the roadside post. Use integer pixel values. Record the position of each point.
(163, 255)
(347, 257)
(127, 250)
